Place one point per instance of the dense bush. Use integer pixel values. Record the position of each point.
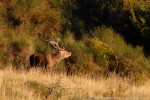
(131, 60)
(81, 62)
(36, 16)
(103, 55)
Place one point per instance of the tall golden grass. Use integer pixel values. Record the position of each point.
(36, 85)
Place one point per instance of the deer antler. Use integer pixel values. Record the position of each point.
(55, 45)
(63, 45)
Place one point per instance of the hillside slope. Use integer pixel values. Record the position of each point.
(26, 27)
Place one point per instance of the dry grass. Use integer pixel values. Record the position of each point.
(35, 85)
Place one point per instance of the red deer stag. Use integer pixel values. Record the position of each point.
(49, 60)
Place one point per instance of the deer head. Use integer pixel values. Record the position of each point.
(56, 58)
(61, 51)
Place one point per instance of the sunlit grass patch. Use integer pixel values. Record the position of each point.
(36, 85)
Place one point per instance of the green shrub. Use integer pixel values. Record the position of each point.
(108, 36)
(103, 54)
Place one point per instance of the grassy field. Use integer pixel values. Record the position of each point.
(36, 85)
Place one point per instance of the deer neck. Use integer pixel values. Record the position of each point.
(57, 58)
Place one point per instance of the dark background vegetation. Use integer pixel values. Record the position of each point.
(104, 35)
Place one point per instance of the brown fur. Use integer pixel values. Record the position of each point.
(36, 59)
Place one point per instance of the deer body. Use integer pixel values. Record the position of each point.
(49, 60)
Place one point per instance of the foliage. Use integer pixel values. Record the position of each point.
(140, 20)
(41, 15)
(103, 54)
(81, 61)
(129, 18)
(84, 26)
(128, 57)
